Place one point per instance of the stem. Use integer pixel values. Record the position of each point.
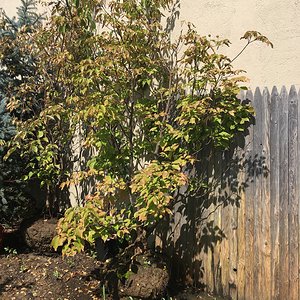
(131, 148)
(165, 118)
(244, 48)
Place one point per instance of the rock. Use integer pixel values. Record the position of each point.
(148, 282)
(39, 235)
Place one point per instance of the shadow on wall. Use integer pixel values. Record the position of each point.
(201, 220)
(174, 14)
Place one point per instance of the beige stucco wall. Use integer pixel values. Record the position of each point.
(277, 19)
(10, 6)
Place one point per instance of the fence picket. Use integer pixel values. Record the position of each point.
(293, 197)
(257, 147)
(265, 198)
(241, 225)
(249, 209)
(274, 192)
(298, 184)
(283, 194)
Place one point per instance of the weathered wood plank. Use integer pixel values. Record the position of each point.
(210, 225)
(249, 209)
(265, 198)
(298, 183)
(202, 217)
(241, 230)
(192, 242)
(233, 248)
(274, 187)
(175, 234)
(283, 197)
(217, 288)
(293, 225)
(258, 243)
(225, 227)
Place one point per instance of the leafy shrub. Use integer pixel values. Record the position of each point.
(15, 201)
(142, 105)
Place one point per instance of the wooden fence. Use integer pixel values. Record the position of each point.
(241, 239)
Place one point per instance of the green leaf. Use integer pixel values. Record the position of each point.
(40, 134)
(34, 148)
(57, 241)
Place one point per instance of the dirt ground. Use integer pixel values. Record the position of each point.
(37, 273)
(34, 276)
(31, 276)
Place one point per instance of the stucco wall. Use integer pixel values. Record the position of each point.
(277, 19)
(9, 6)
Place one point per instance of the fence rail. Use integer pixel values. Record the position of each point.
(242, 240)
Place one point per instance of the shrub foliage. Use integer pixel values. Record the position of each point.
(16, 66)
(141, 103)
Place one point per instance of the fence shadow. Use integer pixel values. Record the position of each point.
(196, 229)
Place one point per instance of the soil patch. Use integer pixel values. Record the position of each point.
(30, 276)
(33, 276)
(30, 270)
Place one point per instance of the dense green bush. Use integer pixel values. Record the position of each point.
(15, 67)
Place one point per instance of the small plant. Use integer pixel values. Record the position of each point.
(23, 268)
(128, 274)
(147, 263)
(10, 251)
(70, 263)
(57, 274)
(92, 253)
